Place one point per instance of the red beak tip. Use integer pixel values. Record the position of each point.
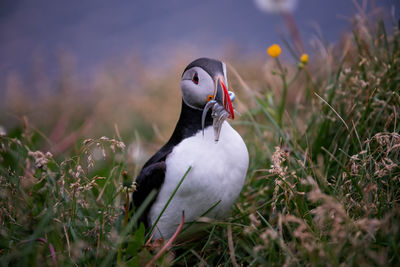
(228, 103)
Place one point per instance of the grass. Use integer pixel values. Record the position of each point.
(323, 186)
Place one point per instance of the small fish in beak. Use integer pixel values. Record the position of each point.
(221, 108)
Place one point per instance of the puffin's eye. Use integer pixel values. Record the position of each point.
(209, 98)
(195, 78)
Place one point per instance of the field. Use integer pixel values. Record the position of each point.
(323, 186)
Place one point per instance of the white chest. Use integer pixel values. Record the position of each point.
(217, 175)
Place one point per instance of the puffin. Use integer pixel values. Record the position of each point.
(204, 149)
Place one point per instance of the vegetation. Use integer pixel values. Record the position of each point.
(323, 186)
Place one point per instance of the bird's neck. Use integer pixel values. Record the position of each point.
(189, 123)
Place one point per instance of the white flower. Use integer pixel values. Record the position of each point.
(276, 6)
(40, 158)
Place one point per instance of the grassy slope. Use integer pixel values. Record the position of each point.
(323, 185)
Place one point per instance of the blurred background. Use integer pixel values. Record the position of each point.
(97, 32)
(78, 69)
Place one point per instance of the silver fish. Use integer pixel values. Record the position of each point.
(219, 115)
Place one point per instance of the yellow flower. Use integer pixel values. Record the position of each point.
(304, 58)
(274, 50)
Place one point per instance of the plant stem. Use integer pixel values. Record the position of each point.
(126, 217)
(283, 98)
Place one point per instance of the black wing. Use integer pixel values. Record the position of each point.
(150, 178)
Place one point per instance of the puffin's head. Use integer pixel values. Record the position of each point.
(204, 85)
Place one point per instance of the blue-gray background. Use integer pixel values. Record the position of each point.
(99, 31)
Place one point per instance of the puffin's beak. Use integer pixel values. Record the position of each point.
(223, 98)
